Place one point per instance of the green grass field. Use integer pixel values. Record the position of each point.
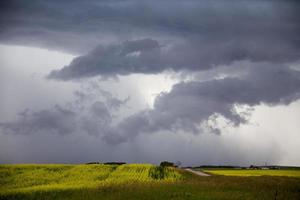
(254, 172)
(135, 181)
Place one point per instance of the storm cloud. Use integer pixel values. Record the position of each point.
(81, 26)
(124, 37)
(147, 56)
(189, 104)
(224, 55)
(200, 36)
(185, 108)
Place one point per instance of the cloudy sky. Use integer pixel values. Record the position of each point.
(201, 82)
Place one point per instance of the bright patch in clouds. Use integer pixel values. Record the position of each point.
(149, 86)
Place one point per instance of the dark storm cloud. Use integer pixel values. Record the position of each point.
(140, 56)
(188, 104)
(124, 37)
(79, 26)
(147, 56)
(192, 36)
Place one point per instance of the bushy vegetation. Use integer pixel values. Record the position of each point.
(164, 173)
(166, 164)
(254, 172)
(136, 181)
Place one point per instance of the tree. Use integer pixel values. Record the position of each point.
(166, 164)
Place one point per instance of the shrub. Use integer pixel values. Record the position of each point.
(166, 164)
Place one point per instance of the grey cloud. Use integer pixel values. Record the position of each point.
(80, 26)
(185, 108)
(91, 93)
(191, 103)
(96, 120)
(93, 117)
(189, 149)
(149, 57)
(124, 37)
(115, 59)
(113, 102)
(57, 120)
(189, 35)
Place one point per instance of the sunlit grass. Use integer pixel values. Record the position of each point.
(255, 172)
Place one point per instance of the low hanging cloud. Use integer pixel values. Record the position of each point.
(188, 104)
(86, 114)
(147, 56)
(132, 56)
(57, 120)
(184, 108)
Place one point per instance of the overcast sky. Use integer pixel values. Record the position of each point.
(201, 82)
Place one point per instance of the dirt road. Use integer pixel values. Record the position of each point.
(199, 173)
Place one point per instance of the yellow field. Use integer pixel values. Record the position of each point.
(140, 182)
(28, 178)
(254, 172)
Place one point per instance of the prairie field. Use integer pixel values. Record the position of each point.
(26, 178)
(136, 181)
(254, 172)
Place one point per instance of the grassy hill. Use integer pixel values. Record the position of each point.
(135, 181)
